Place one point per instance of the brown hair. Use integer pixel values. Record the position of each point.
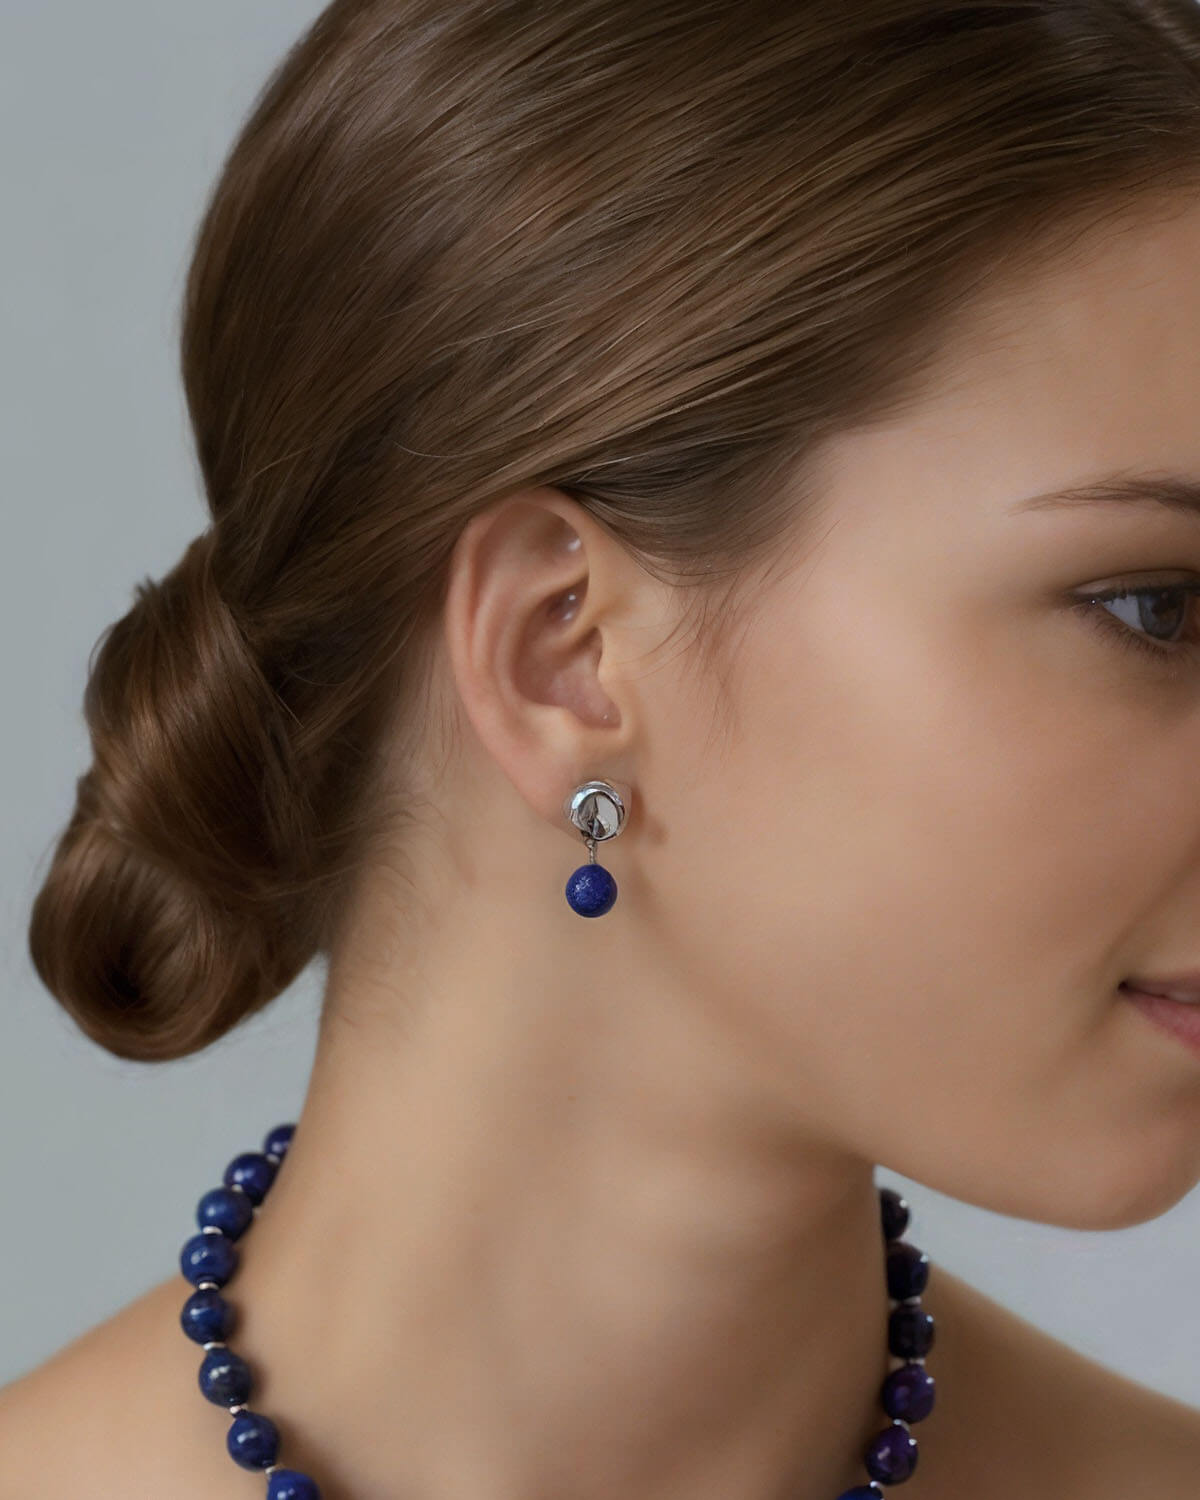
(651, 255)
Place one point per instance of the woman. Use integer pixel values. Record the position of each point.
(786, 416)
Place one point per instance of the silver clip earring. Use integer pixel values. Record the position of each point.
(598, 809)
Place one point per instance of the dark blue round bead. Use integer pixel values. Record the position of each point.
(230, 1211)
(252, 1440)
(225, 1377)
(207, 1317)
(907, 1270)
(861, 1492)
(908, 1392)
(253, 1173)
(290, 1484)
(910, 1331)
(208, 1257)
(893, 1211)
(591, 890)
(891, 1455)
(276, 1142)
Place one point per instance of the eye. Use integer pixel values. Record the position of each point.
(1158, 620)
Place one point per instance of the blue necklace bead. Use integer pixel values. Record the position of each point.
(253, 1172)
(591, 890)
(210, 1258)
(908, 1393)
(252, 1440)
(225, 1377)
(907, 1270)
(207, 1318)
(894, 1213)
(277, 1141)
(910, 1331)
(225, 1209)
(891, 1456)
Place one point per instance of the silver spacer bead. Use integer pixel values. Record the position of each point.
(237, 1407)
(207, 1286)
(270, 1155)
(211, 1229)
(236, 1187)
(215, 1344)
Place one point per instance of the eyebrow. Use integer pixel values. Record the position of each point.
(1174, 492)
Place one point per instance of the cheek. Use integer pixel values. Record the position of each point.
(910, 885)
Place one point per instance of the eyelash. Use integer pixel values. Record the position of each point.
(1174, 658)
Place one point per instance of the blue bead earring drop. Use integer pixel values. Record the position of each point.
(598, 809)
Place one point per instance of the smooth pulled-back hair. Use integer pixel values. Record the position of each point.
(653, 255)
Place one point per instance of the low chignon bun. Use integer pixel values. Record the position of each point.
(164, 918)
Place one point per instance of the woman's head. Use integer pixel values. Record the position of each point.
(748, 324)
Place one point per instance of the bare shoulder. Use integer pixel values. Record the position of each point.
(60, 1396)
(1056, 1422)
(93, 1419)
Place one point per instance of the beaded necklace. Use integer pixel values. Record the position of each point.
(209, 1259)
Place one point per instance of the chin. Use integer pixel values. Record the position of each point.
(1118, 1199)
(1091, 1180)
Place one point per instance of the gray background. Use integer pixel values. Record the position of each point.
(114, 120)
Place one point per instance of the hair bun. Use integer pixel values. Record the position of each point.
(161, 924)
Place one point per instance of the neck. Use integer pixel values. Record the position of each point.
(536, 1239)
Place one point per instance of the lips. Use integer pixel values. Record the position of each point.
(1182, 987)
(1182, 1021)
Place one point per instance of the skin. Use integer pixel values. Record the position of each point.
(584, 1208)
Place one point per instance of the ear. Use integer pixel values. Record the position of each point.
(546, 618)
